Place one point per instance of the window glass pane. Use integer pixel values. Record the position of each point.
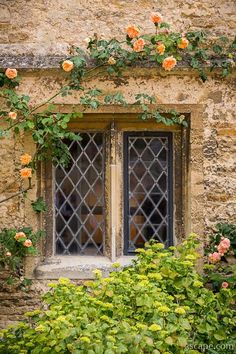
(147, 189)
(79, 198)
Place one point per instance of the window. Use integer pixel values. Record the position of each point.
(123, 187)
(79, 198)
(147, 189)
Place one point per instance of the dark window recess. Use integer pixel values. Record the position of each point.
(79, 198)
(147, 189)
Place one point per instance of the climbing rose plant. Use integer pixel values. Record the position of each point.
(164, 48)
(220, 271)
(15, 244)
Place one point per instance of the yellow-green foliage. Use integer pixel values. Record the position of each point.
(158, 305)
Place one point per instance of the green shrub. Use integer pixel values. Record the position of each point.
(157, 305)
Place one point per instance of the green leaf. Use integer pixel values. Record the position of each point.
(184, 323)
(164, 25)
(169, 340)
(182, 341)
(39, 205)
(217, 48)
(220, 335)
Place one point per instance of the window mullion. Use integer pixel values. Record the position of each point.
(113, 188)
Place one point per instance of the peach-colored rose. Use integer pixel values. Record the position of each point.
(183, 43)
(156, 18)
(8, 254)
(12, 115)
(224, 284)
(169, 63)
(11, 73)
(132, 31)
(26, 172)
(19, 235)
(214, 257)
(27, 243)
(160, 48)
(139, 45)
(67, 65)
(111, 61)
(25, 159)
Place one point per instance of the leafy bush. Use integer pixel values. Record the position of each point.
(157, 305)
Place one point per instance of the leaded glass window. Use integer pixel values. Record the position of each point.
(79, 198)
(101, 211)
(147, 189)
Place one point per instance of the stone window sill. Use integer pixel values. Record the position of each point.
(74, 267)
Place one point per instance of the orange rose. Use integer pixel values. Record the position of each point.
(169, 63)
(138, 45)
(11, 73)
(156, 18)
(19, 235)
(183, 43)
(67, 65)
(26, 172)
(132, 31)
(25, 159)
(12, 115)
(111, 61)
(8, 254)
(160, 48)
(27, 243)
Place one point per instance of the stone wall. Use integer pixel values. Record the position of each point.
(49, 27)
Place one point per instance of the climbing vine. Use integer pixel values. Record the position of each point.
(163, 48)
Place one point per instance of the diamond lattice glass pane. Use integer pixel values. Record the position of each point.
(147, 176)
(79, 198)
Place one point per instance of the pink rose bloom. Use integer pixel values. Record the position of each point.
(224, 284)
(8, 254)
(223, 246)
(222, 250)
(214, 257)
(225, 242)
